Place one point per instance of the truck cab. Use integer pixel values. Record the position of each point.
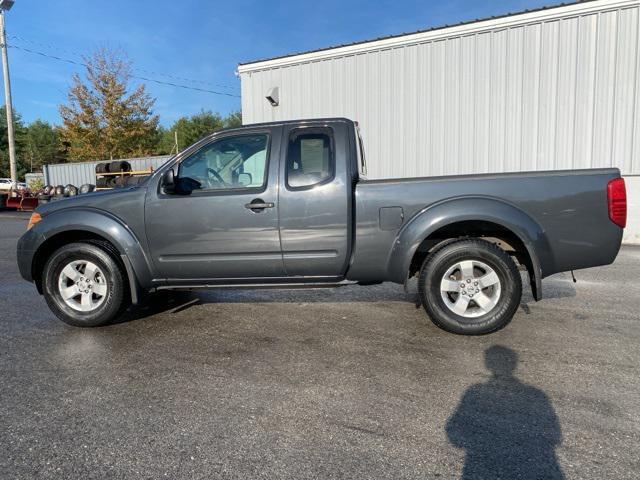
(271, 203)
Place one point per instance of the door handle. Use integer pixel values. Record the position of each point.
(258, 204)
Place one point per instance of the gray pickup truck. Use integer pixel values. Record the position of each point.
(287, 205)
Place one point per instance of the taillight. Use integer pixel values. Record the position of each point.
(617, 200)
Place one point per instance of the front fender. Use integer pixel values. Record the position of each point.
(98, 222)
(450, 211)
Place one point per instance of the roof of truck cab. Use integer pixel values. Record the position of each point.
(289, 122)
(302, 120)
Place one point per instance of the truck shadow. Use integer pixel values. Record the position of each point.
(168, 301)
(174, 301)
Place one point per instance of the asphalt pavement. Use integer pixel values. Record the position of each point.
(341, 383)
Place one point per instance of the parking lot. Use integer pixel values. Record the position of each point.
(340, 383)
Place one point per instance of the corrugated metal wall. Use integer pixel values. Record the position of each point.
(553, 94)
(80, 173)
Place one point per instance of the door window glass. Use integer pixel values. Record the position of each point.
(231, 162)
(309, 158)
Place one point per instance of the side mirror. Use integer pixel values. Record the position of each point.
(245, 179)
(186, 185)
(168, 181)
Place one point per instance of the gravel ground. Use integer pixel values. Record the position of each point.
(341, 383)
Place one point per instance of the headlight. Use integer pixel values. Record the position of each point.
(35, 218)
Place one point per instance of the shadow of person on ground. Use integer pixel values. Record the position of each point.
(507, 428)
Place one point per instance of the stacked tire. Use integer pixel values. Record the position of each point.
(119, 166)
(105, 182)
(135, 180)
(107, 174)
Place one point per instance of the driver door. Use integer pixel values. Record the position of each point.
(227, 227)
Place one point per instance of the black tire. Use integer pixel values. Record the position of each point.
(101, 254)
(119, 166)
(442, 259)
(135, 180)
(105, 182)
(102, 168)
(86, 188)
(121, 181)
(70, 191)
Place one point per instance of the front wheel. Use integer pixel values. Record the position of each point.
(84, 285)
(470, 287)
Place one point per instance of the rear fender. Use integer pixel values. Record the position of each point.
(448, 212)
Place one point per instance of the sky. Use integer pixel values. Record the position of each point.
(201, 42)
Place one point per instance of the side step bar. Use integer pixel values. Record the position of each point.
(250, 286)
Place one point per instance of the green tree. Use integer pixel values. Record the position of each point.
(36, 184)
(233, 120)
(191, 129)
(20, 141)
(42, 145)
(106, 117)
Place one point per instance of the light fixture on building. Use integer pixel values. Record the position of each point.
(273, 96)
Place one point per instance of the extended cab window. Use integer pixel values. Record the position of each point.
(310, 157)
(231, 162)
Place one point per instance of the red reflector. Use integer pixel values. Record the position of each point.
(617, 199)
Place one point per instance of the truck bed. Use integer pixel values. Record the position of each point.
(568, 206)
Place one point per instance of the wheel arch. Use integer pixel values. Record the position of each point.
(484, 217)
(66, 226)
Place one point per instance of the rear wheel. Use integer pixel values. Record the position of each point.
(470, 287)
(84, 285)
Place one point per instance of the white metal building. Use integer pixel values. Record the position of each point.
(556, 88)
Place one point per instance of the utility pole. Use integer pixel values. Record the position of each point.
(5, 5)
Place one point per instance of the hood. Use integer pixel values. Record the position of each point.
(103, 199)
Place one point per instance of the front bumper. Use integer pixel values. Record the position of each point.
(27, 246)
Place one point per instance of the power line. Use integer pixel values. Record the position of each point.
(150, 72)
(184, 79)
(146, 79)
(46, 45)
